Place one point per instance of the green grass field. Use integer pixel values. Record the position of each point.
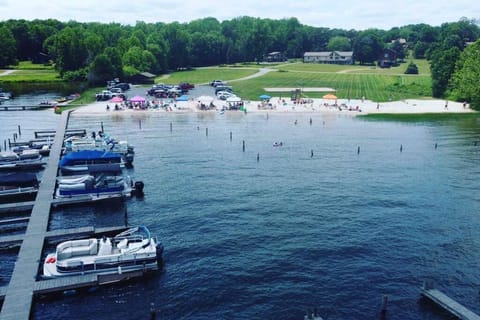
(206, 75)
(25, 71)
(348, 81)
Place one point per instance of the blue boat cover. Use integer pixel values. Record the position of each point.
(90, 156)
(18, 179)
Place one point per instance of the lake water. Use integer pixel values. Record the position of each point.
(269, 232)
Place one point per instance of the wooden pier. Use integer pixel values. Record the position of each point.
(25, 107)
(77, 282)
(25, 282)
(447, 303)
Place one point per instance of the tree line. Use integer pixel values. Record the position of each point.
(97, 52)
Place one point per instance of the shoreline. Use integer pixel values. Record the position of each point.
(352, 107)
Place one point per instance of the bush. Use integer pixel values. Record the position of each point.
(79, 75)
(411, 68)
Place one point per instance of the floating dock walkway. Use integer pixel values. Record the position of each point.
(447, 303)
(24, 283)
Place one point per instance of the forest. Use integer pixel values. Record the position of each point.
(97, 52)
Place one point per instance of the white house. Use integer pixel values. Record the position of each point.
(334, 57)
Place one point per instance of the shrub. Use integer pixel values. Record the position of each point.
(411, 68)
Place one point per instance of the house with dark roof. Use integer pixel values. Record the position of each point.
(275, 56)
(387, 59)
(332, 57)
(143, 78)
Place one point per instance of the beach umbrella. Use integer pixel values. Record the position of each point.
(117, 99)
(330, 96)
(137, 99)
(205, 99)
(265, 97)
(234, 99)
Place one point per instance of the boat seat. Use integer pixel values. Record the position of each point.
(123, 244)
(75, 248)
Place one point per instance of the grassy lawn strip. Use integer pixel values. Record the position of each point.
(206, 75)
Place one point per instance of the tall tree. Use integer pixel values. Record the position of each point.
(442, 67)
(339, 43)
(8, 52)
(367, 47)
(466, 77)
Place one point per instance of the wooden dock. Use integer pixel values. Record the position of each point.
(18, 297)
(44, 287)
(24, 283)
(447, 303)
(25, 107)
(77, 232)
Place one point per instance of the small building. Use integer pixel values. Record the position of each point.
(387, 59)
(331, 57)
(275, 56)
(143, 78)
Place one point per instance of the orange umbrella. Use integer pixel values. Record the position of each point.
(330, 96)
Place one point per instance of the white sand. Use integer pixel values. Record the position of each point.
(410, 106)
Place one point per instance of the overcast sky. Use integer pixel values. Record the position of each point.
(346, 14)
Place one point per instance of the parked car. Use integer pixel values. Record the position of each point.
(185, 86)
(215, 83)
(223, 88)
(224, 95)
(104, 95)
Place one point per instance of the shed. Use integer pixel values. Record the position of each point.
(143, 78)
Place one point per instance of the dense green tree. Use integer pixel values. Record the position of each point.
(69, 50)
(466, 77)
(442, 67)
(101, 70)
(179, 45)
(339, 43)
(399, 49)
(367, 47)
(115, 59)
(133, 58)
(8, 51)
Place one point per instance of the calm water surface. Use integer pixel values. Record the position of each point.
(268, 239)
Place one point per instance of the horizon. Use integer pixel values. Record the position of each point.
(354, 15)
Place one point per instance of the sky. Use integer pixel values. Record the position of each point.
(346, 14)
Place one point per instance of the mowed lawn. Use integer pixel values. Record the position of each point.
(352, 82)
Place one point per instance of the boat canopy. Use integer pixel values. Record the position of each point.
(90, 155)
(20, 179)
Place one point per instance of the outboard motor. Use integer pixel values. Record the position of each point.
(159, 250)
(138, 188)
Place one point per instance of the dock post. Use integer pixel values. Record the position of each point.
(19, 131)
(140, 124)
(258, 157)
(171, 127)
(153, 312)
(101, 125)
(358, 150)
(243, 145)
(230, 135)
(383, 310)
(206, 132)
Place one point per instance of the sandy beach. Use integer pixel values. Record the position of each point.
(276, 104)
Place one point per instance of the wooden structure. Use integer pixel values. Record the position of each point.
(331, 57)
(447, 303)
